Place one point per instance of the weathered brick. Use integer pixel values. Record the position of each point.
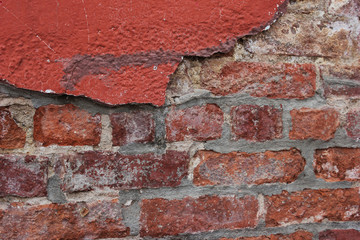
(256, 123)
(199, 123)
(299, 235)
(353, 124)
(238, 168)
(101, 219)
(66, 125)
(85, 171)
(23, 176)
(314, 123)
(312, 206)
(132, 127)
(11, 135)
(160, 217)
(337, 164)
(344, 7)
(339, 234)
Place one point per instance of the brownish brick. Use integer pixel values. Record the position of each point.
(353, 124)
(338, 234)
(11, 135)
(299, 235)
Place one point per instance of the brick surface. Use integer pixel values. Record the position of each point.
(23, 176)
(238, 168)
(85, 171)
(66, 125)
(199, 123)
(344, 7)
(353, 124)
(256, 123)
(312, 206)
(314, 123)
(132, 127)
(101, 219)
(337, 164)
(160, 217)
(338, 234)
(11, 135)
(300, 235)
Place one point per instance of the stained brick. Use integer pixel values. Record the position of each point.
(353, 124)
(312, 206)
(344, 7)
(314, 123)
(300, 235)
(338, 234)
(338, 164)
(238, 168)
(66, 125)
(11, 135)
(160, 217)
(256, 123)
(23, 176)
(199, 123)
(101, 219)
(132, 127)
(88, 170)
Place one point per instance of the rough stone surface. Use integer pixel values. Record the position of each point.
(160, 217)
(353, 124)
(23, 176)
(312, 206)
(344, 7)
(313, 123)
(66, 125)
(300, 235)
(11, 135)
(337, 164)
(238, 168)
(133, 127)
(199, 123)
(338, 234)
(101, 219)
(126, 49)
(256, 123)
(88, 170)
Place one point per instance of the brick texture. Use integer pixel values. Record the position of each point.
(300, 235)
(11, 135)
(338, 234)
(353, 124)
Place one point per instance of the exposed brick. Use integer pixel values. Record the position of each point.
(248, 168)
(199, 123)
(160, 217)
(300, 235)
(66, 125)
(256, 123)
(23, 176)
(132, 127)
(312, 206)
(338, 234)
(353, 124)
(101, 219)
(338, 164)
(313, 123)
(85, 171)
(11, 135)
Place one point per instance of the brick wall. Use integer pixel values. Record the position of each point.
(259, 143)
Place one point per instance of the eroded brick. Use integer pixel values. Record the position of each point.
(299, 235)
(238, 168)
(160, 217)
(344, 7)
(66, 125)
(353, 124)
(256, 123)
(339, 234)
(313, 123)
(312, 206)
(11, 135)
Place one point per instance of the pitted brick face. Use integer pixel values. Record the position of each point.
(11, 135)
(299, 235)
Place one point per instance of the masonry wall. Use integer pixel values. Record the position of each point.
(259, 143)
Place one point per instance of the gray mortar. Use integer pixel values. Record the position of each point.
(54, 193)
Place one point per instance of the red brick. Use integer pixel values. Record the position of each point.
(88, 170)
(300, 235)
(353, 124)
(11, 135)
(66, 125)
(23, 176)
(312, 206)
(199, 123)
(101, 219)
(160, 217)
(238, 168)
(132, 127)
(256, 123)
(281, 80)
(337, 164)
(337, 234)
(314, 123)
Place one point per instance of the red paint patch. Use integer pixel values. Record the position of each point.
(118, 51)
